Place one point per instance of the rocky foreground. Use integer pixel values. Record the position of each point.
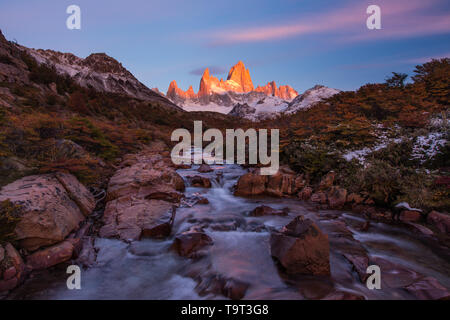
(59, 220)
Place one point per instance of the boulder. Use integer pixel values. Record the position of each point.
(145, 175)
(204, 168)
(200, 182)
(359, 262)
(51, 256)
(280, 184)
(12, 268)
(268, 211)
(52, 206)
(440, 221)
(188, 244)
(327, 181)
(306, 193)
(231, 288)
(336, 197)
(301, 248)
(410, 216)
(130, 218)
(251, 184)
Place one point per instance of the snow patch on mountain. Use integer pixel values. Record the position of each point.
(310, 97)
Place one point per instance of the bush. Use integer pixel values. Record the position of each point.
(9, 217)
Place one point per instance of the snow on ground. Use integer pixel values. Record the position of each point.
(427, 146)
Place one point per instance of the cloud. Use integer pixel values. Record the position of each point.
(212, 70)
(401, 18)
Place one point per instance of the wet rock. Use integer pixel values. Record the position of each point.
(88, 254)
(200, 182)
(440, 221)
(301, 248)
(147, 174)
(188, 244)
(12, 268)
(204, 168)
(336, 197)
(428, 288)
(251, 184)
(228, 287)
(305, 193)
(268, 211)
(410, 216)
(51, 256)
(280, 184)
(360, 264)
(52, 206)
(203, 200)
(319, 197)
(128, 218)
(327, 181)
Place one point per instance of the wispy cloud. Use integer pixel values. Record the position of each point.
(401, 18)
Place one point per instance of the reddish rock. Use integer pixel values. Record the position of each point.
(267, 211)
(280, 184)
(440, 221)
(327, 181)
(251, 184)
(284, 92)
(130, 218)
(301, 248)
(306, 193)
(360, 263)
(52, 207)
(169, 196)
(337, 197)
(410, 216)
(319, 197)
(200, 182)
(228, 287)
(203, 200)
(51, 256)
(204, 168)
(12, 268)
(188, 244)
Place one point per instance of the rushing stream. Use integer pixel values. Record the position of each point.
(148, 269)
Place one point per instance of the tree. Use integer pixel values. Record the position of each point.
(434, 77)
(397, 80)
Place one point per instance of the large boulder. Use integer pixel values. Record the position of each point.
(51, 256)
(12, 268)
(301, 248)
(251, 184)
(142, 198)
(440, 221)
(284, 183)
(144, 176)
(130, 218)
(52, 206)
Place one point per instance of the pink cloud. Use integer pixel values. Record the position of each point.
(402, 18)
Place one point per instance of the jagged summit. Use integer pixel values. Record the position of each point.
(238, 81)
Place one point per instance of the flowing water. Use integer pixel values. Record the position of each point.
(148, 269)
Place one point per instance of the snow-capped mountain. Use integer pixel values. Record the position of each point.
(98, 71)
(310, 97)
(222, 96)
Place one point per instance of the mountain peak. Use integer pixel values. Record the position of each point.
(240, 75)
